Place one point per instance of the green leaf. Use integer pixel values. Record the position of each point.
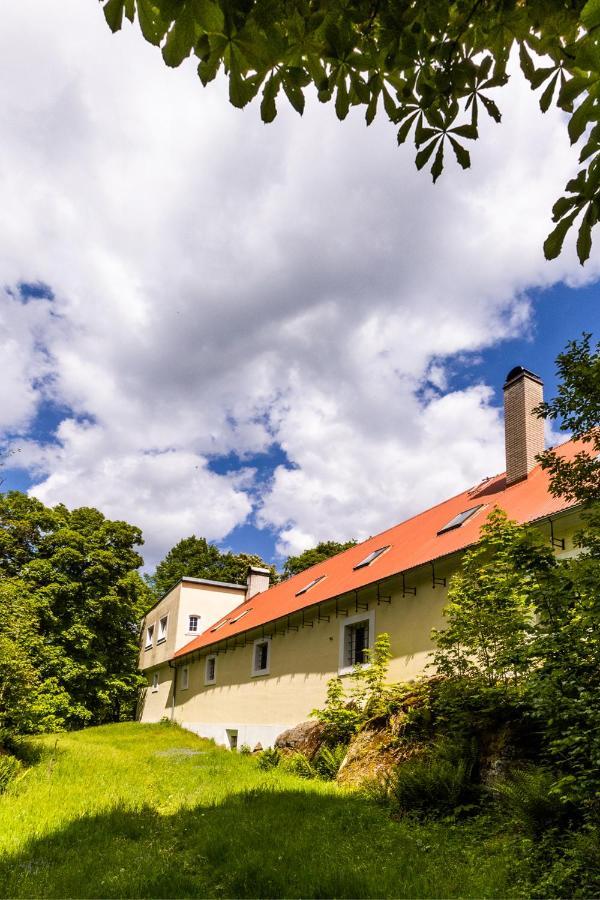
(180, 39)
(268, 109)
(404, 129)
(546, 98)
(526, 62)
(463, 156)
(584, 238)
(389, 105)
(555, 240)
(210, 16)
(152, 26)
(578, 122)
(294, 93)
(371, 110)
(208, 68)
(562, 207)
(113, 13)
(590, 14)
(438, 163)
(424, 154)
(491, 108)
(342, 101)
(466, 131)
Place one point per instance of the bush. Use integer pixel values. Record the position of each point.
(328, 760)
(300, 765)
(528, 798)
(438, 784)
(245, 750)
(9, 768)
(269, 759)
(567, 865)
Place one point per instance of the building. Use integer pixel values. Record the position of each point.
(241, 663)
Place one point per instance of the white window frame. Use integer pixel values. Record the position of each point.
(185, 678)
(254, 671)
(367, 616)
(149, 636)
(162, 632)
(197, 629)
(206, 678)
(155, 682)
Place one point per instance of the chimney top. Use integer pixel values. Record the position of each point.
(257, 581)
(519, 372)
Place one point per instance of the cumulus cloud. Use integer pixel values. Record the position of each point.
(221, 286)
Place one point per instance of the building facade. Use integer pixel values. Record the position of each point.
(241, 663)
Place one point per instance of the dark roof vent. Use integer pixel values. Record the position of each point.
(518, 372)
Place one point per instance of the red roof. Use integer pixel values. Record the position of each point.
(412, 543)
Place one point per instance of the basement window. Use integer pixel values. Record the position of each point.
(149, 636)
(310, 585)
(210, 669)
(460, 519)
(261, 656)
(162, 629)
(185, 678)
(154, 682)
(372, 557)
(193, 624)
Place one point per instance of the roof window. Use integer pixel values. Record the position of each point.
(310, 585)
(220, 625)
(240, 616)
(460, 519)
(371, 557)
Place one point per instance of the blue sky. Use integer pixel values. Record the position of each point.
(268, 336)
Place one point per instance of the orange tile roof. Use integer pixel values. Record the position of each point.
(412, 543)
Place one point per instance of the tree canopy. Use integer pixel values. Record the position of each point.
(295, 564)
(71, 600)
(429, 65)
(197, 558)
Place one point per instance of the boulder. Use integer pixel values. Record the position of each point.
(372, 755)
(305, 738)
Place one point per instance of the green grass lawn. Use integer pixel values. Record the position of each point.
(153, 811)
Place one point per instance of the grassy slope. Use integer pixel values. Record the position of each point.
(117, 812)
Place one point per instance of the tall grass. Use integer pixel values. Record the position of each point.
(152, 811)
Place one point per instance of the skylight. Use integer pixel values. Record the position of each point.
(220, 625)
(310, 585)
(240, 616)
(460, 519)
(372, 557)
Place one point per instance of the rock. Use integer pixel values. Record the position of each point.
(372, 755)
(305, 738)
(258, 748)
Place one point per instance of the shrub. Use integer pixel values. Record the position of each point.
(9, 767)
(300, 765)
(328, 760)
(269, 759)
(566, 867)
(245, 750)
(438, 784)
(528, 797)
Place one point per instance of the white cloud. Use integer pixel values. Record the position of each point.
(221, 285)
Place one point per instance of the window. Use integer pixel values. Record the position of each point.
(240, 616)
(261, 653)
(210, 670)
(149, 636)
(458, 520)
(193, 624)
(310, 585)
(154, 681)
(162, 629)
(220, 625)
(185, 678)
(356, 636)
(372, 557)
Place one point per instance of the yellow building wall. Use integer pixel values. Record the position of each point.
(301, 663)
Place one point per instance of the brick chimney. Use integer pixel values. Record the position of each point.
(523, 431)
(258, 581)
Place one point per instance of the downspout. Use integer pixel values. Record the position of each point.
(171, 666)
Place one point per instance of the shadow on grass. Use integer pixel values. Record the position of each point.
(259, 844)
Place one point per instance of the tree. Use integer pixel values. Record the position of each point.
(324, 550)
(430, 65)
(71, 602)
(577, 404)
(197, 558)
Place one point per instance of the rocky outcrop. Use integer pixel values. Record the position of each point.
(304, 738)
(373, 755)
